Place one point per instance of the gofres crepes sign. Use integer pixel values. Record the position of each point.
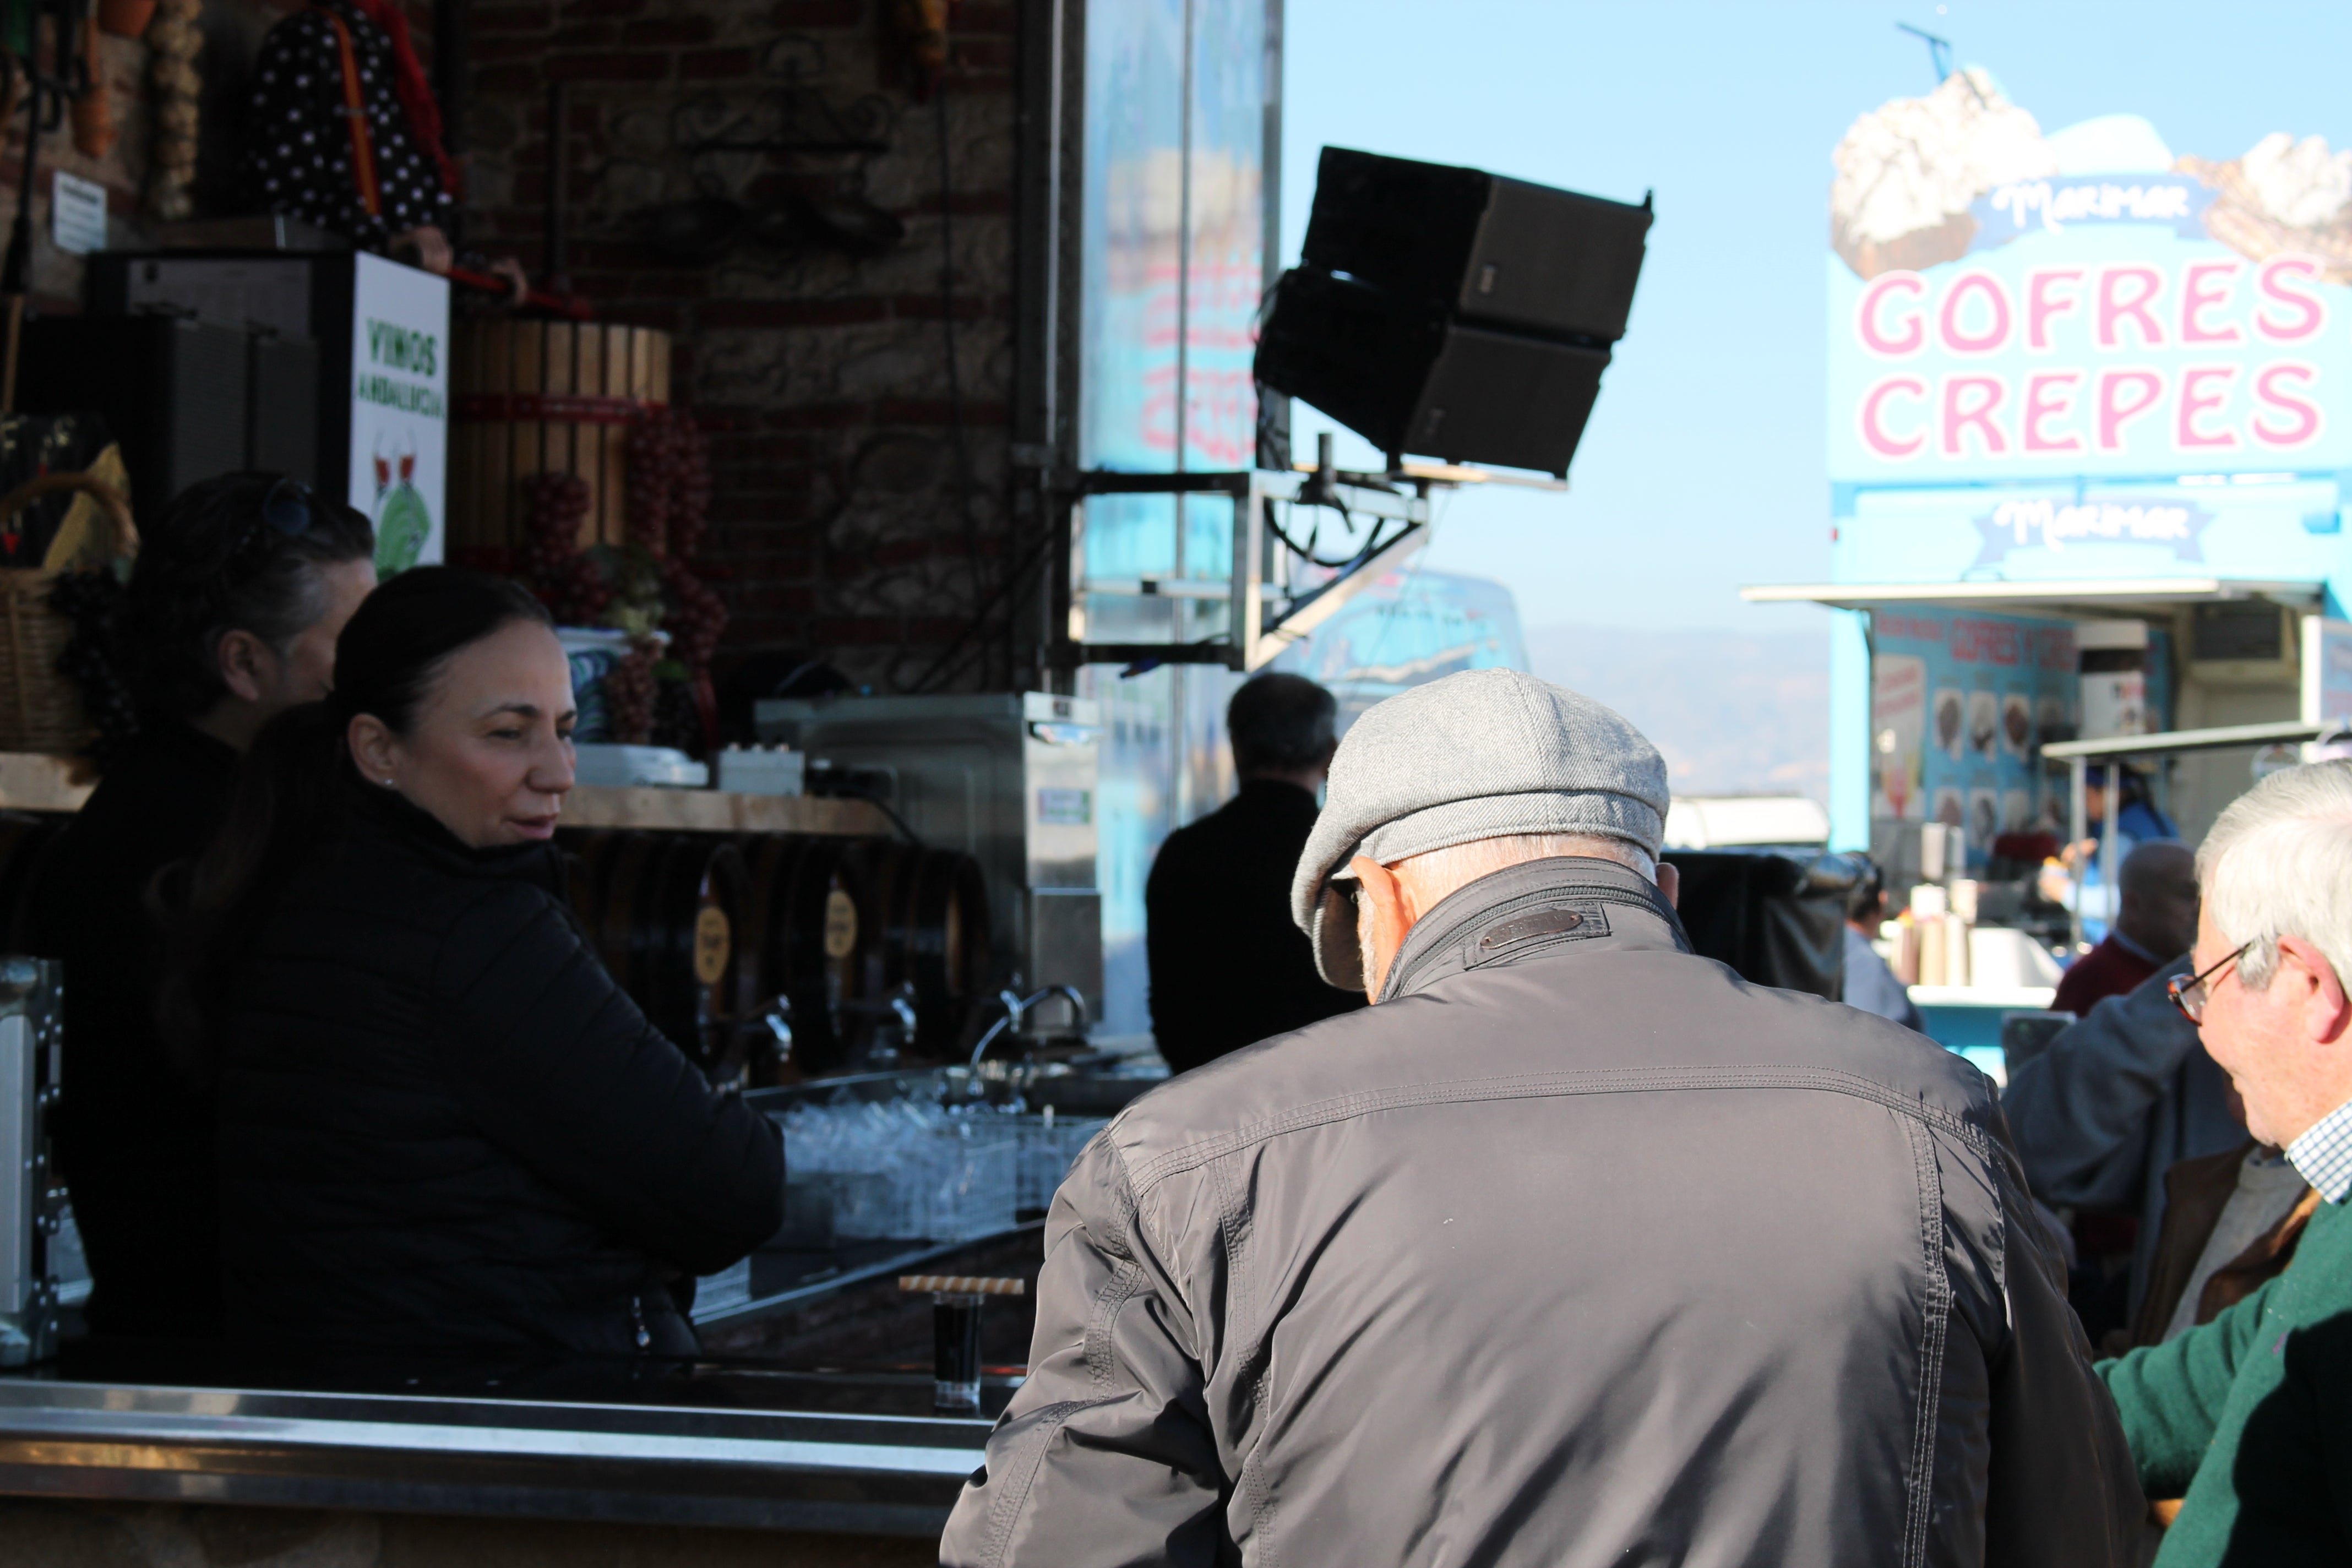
(1997, 313)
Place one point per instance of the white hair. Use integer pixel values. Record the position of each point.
(2279, 863)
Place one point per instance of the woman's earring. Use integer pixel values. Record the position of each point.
(390, 784)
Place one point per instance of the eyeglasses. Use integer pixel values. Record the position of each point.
(2189, 993)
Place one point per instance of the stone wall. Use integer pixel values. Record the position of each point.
(849, 519)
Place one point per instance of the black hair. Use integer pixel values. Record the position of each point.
(291, 788)
(1281, 724)
(1868, 892)
(212, 565)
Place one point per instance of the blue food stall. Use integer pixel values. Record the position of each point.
(2088, 438)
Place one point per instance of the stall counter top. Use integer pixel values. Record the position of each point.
(2032, 998)
(709, 1464)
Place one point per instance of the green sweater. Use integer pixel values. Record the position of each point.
(2250, 1417)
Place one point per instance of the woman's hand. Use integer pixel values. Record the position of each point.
(425, 247)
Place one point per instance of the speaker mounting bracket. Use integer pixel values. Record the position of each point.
(1273, 590)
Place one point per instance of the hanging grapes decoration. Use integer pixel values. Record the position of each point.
(646, 584)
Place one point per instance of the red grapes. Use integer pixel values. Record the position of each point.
(629, 693)
(649, 581)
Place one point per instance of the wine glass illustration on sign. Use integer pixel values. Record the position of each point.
(402, 522)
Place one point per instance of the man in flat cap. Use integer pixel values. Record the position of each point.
(1573, 1249)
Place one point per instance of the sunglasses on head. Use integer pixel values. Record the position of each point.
(287, 511)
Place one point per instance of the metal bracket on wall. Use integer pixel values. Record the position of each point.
(1276, 591)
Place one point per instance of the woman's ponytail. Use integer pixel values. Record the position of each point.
(287, 793)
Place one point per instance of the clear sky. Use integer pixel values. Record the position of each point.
(1702, 468)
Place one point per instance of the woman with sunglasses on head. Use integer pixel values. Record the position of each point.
(231, 617)
(443, 1129)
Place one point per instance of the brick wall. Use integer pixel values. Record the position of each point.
(844, 520)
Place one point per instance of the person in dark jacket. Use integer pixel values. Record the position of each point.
(1227, 966)
(231, 618)
(443, 1129)
(2156, 923)
(1574, 1249)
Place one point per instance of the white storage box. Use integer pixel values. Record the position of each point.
(763, 770)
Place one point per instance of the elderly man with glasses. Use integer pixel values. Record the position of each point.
(2248, 1414)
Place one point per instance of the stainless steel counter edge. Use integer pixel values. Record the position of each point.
(878, 1475)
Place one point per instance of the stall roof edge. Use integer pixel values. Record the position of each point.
(2081, 596)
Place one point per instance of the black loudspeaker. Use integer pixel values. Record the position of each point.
(1488, 248)
(1777, 920)
(282, 417)
(1410, 376)
(172, 392)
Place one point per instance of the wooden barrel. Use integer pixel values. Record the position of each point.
(543, 397)
(806, 937)
(932, 908)
(663, 909)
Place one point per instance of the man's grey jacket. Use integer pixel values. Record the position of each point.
(1577, 1249)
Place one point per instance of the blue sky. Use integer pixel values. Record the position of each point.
(1702, 468)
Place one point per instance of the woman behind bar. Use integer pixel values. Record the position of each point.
(443, 1129)
(231, 618)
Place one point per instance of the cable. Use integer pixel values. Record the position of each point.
(1372, 546)
(1011, 579)
(947, 325)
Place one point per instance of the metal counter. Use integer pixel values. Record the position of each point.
(648, 1463)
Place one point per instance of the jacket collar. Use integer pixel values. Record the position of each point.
(1537, 910)
(389, 817)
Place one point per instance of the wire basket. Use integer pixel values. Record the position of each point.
(41, 709)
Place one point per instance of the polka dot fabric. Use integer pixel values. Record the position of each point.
(299, 161)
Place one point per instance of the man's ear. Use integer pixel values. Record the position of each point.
(240, 656)
(1669, 884)
(2326, 1012)
(1383, 916)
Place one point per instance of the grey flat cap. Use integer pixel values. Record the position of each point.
(1482, 754)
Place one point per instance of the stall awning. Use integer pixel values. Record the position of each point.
(2178, 743)
(2083, 597)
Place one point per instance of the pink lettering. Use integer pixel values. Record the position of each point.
(1996, 298)
(2116, 410)
(2197, 297)
(2309, 314)
(2114, 305)
(2194, 402)
(1874, 433)
(2304, 415)
(1866, 323)
(1984, 642)
(1960, 412)
(2050, 396)
(2041, 304)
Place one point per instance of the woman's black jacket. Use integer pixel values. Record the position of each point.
(443, 1128)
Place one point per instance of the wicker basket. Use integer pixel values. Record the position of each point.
(40, 709)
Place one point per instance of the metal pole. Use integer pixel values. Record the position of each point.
(2078, 820)
(449, 72)
(2113, 895)
(557, 263)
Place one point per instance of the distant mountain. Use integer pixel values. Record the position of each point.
(1734, 712)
